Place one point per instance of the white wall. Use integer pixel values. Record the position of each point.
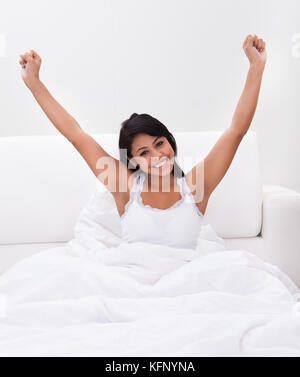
(178, 60)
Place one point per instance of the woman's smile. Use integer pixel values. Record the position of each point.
(161, 163)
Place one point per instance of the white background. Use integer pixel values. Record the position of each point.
(180, 61)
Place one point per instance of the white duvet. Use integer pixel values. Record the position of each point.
(98, 296)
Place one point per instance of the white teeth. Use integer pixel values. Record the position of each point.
(160, 164)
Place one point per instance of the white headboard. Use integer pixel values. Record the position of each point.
(45, 184)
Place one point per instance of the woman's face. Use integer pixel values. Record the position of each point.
(148, 151)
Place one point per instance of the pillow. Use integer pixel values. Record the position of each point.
(99, 221)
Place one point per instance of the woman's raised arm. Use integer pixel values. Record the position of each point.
(104, 166)
(60, 118)
(217, 162)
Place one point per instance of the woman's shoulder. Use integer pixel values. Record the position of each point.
(125, 182)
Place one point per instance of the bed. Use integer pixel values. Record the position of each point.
(70, 286)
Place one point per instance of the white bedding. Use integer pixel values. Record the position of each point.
(98, 296)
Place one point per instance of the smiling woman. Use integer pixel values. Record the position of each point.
(150, 149)
(160, 192)
(159, 196)
(146, 142)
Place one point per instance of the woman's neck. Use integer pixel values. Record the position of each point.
(159, 183)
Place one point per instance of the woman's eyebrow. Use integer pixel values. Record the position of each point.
(158, 137)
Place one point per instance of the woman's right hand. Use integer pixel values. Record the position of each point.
(255, 49)
(31, 64)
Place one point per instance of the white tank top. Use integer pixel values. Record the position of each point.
(177, 226)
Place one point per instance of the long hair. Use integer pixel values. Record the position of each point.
(144, 123)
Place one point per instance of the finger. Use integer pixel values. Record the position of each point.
(24, 57)
(37, 55)
(257, 44)
(250, 38)
(255, 40)
(33, 54)
(262, 45)
(28, 57)
(248, 41)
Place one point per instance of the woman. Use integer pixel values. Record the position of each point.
(146, 183)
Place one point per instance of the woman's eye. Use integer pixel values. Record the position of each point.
(158, 144)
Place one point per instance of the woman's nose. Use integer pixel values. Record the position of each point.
(157, 154)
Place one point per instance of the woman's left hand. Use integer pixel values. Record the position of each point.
(255, 50)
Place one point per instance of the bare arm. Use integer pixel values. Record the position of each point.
(103, 165)
(247, 104)
(219, 159)
(60, 118)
